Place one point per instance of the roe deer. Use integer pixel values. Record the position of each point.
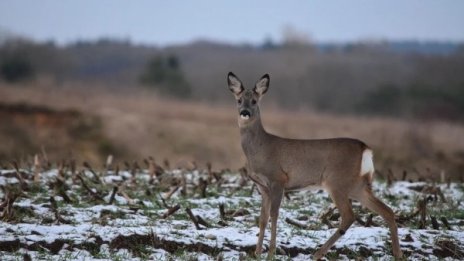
(342, 166)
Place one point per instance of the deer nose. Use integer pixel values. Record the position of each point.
(245, 114)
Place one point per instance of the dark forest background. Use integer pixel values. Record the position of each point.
(402, 79)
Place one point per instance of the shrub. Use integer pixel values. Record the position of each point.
(165, 74)
(16, 67)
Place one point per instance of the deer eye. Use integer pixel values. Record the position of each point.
(239, 101)
(253, 101)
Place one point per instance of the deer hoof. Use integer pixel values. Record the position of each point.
(399, 255)
(270, 256)
(318, 255)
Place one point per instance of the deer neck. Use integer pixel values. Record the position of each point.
(253, 136)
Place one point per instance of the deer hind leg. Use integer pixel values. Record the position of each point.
(263, 219)
(370, 201)
(343, 203)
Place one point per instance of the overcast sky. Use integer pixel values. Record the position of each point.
(237, 21)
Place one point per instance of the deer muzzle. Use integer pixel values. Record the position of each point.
(245, 114)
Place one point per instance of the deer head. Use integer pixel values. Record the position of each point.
(247, 100)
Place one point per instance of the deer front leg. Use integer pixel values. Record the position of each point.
(263, 219)
(276, 194)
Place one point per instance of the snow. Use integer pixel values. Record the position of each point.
(105, 222)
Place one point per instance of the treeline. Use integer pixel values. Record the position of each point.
(369, 78)
(415, 100)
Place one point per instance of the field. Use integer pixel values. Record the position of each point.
(147, 212)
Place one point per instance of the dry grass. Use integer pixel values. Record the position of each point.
(185, 131)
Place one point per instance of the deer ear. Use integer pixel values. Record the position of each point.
(262, 85)
(235, 85)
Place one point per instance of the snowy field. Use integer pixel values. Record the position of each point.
(60, 214)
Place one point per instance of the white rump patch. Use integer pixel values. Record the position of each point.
(367, 163)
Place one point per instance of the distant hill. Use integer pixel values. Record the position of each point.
(400, 47)
(431, 48)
